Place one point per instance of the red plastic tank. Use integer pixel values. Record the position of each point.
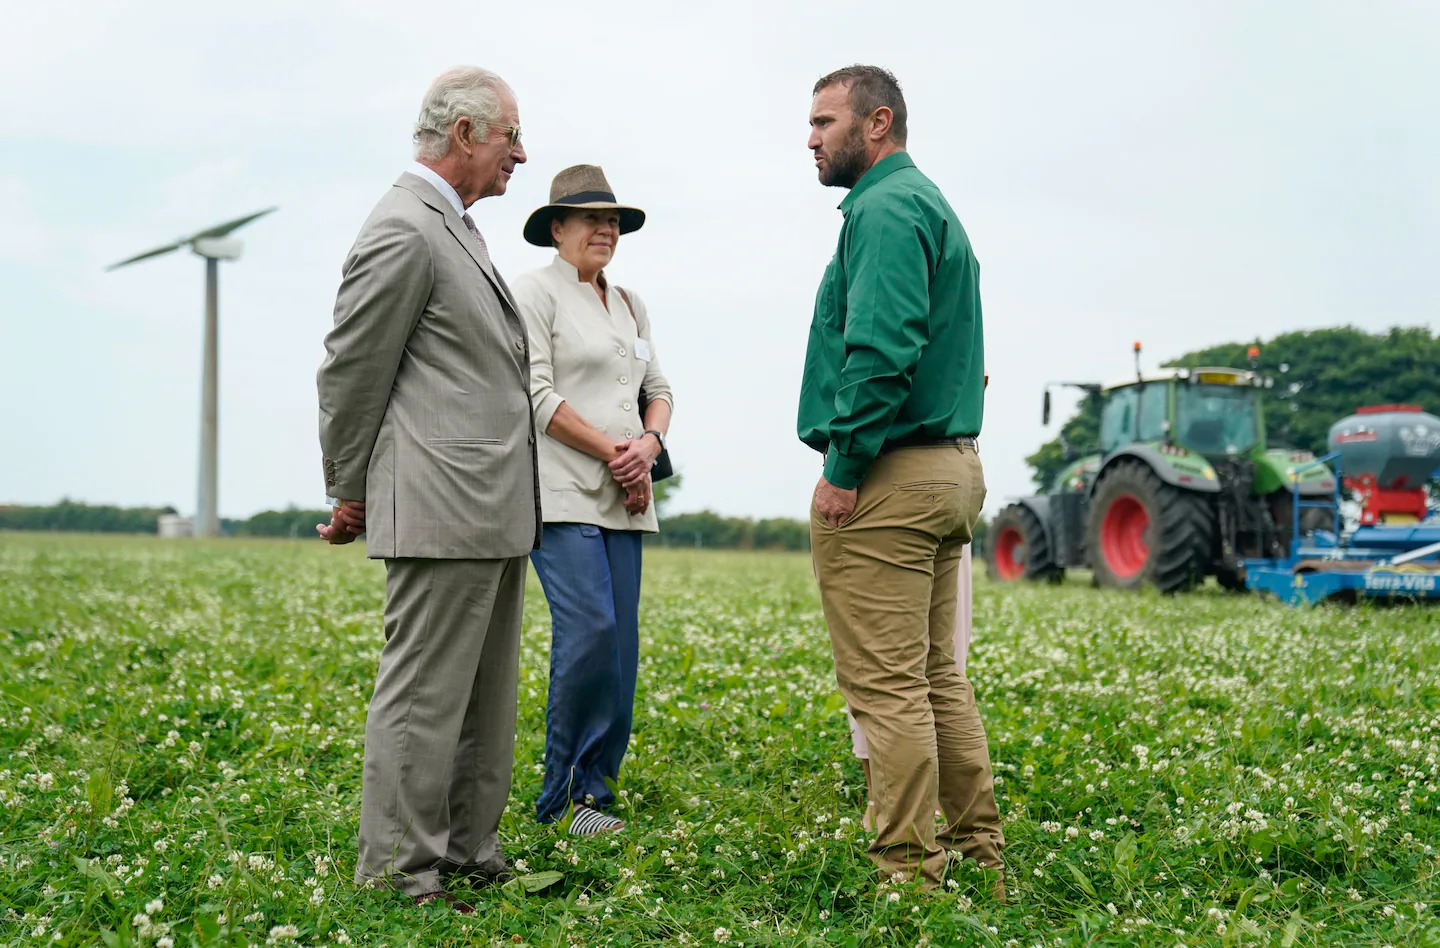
(1388, 454)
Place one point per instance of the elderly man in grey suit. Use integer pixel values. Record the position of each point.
(425, 425)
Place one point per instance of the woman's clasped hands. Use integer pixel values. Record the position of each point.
(631, 470)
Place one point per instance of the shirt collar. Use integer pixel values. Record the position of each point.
(570, 272)
(440, 184)
(880, 169)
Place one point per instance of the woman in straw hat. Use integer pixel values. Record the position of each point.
(591, 355)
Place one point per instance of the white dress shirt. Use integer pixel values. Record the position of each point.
(441, 185)
(596, 356)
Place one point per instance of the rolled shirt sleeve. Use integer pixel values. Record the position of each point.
(537, 309)
(888, 261)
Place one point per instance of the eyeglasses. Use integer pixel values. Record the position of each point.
(514, 131)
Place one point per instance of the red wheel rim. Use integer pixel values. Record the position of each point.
(1010, 554)
(1122, 536)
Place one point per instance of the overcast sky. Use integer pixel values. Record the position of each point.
(1181, 173)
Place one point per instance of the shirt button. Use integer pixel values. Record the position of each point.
(629, 433)
(625, 405)
(621, 350)
(520, 344)
(623, 380)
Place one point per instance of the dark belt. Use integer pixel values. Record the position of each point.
(917, 442)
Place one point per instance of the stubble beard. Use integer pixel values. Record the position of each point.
(846, 164)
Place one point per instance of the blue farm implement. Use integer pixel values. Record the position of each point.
(1384, 456)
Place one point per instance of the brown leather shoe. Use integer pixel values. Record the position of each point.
(464, 908)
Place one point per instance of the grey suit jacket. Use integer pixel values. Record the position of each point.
(425, 390)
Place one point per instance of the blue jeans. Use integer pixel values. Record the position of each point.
(591, 578)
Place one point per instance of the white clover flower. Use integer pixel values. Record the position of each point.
(155, 907)
(893, 897)
(722, 935)
(284, 933)
(215, 881)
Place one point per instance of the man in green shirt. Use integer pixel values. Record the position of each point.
(893, 396)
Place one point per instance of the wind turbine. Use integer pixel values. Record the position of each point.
(214, 244)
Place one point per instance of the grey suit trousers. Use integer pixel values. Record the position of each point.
(440, 736)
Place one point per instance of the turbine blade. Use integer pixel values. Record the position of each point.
(220, 230)
(158, 251)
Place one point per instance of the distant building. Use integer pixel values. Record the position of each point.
(174, 526)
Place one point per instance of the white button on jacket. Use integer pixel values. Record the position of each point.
(574, 344)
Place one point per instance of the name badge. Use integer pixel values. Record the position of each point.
(642, 350)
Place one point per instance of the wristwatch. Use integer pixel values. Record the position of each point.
(659, 436)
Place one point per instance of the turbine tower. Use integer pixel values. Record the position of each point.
(214, 244)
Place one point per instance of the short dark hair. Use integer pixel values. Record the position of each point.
(870, 88)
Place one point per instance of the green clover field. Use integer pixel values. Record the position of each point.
(181, 728)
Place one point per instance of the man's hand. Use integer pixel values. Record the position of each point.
(835, 504)
(637, 499)
(347, 521)
(633, 460)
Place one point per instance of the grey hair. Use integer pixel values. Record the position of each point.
(463, 92)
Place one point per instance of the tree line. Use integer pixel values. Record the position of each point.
(70, 516)
(704, 530)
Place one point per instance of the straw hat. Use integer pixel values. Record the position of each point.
(579, 186)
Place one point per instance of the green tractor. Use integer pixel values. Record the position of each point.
(1184, 487)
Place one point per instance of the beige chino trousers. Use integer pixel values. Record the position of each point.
(888, 579)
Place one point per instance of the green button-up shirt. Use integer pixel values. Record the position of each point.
(897, 349)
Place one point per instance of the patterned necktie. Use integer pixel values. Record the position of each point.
(475, 232)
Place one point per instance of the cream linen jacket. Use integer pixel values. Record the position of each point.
(586, 354)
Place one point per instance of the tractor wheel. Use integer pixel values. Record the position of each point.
(1021, 550)
(1142, 530)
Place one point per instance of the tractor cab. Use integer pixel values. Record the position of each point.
(1213, 412)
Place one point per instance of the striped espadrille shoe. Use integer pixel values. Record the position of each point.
(586, 821)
